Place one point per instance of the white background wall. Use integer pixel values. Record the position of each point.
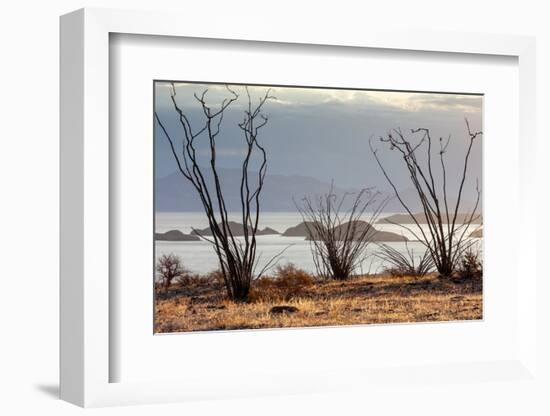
(29, 57)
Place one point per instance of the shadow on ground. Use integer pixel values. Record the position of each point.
(51, 390)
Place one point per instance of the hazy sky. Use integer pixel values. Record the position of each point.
(325, 133)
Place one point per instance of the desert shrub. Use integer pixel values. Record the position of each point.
(405, 264)
(291, 276)
(445, 236)
(287, 282)
(471, 265)
(396, 271)
(169, 268)
(236, 256)
(215, 277)
(187, 279)
(339, 237)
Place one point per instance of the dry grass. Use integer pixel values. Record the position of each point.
(200, 305)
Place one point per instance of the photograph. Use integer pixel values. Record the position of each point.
(243, 208)
(280, 206)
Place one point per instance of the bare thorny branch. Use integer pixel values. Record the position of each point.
(339, 238)
(445, 239)
(407, 264)
(237, 258)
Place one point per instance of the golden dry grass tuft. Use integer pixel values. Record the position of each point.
(201, 305)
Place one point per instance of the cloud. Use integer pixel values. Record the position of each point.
(324, 133)
(415, 102)
(307, 97)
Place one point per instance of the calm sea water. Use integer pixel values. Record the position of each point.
(199, 256)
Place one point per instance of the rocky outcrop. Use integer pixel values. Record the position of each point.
(387, 237)
(175, 235)
(277, 310)
(267, 231)
(301, 230)
(236, 229)
(421, 219)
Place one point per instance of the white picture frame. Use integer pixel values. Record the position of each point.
(85, 213)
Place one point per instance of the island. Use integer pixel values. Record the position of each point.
(421, 219)
(175, 235)
(237, 229)
(301, 230)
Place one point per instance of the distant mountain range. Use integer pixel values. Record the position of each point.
(422, 219)
(174, 193)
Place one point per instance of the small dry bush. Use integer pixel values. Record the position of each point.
(187, 279)
(401, 271)
(405, 263)
(395, 271)
(471, 265)
(291, 276)
(288, 282)
(214, 277)
(169, 269)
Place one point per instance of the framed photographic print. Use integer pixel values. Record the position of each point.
(336, 232)
(289, 214)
